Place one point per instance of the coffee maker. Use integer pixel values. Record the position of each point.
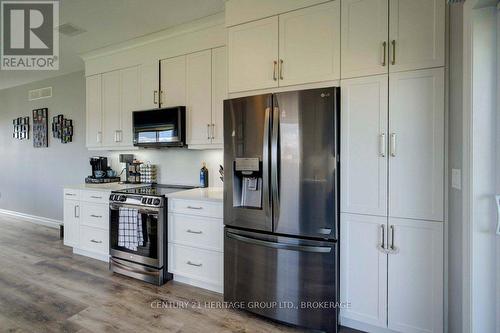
(100, 171)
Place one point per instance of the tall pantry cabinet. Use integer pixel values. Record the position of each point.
(392, 175)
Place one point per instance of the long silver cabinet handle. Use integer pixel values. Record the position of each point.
(213, 131)
(155, 97)
(393, 52)
(281, 69)
(275, 64)
(393, 144)
(193, 264)
(392, 248)
(382, 248)
(384, 49)
(96, 216)
(208, 132)
(95, 197)
(95, 241)
(194, 231)
(382, 145)
(192, 207)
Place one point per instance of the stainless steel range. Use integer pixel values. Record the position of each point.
(138, 232)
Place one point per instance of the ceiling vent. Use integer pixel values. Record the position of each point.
(33, 95)
(70, 30)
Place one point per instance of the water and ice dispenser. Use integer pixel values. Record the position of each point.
(247, 183)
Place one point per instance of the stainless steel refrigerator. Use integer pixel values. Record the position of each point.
(281, 206)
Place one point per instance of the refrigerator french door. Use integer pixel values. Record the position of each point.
(281, 203)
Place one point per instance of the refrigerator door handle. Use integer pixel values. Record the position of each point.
(275, 186)
(265, 161)
(283, 246)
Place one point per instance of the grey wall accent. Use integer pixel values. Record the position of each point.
(455, 250)
(32, 180)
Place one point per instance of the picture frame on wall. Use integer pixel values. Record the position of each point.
(40, 128)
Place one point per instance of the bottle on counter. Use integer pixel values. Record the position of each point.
(204, 176)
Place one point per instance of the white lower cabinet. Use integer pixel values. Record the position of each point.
(363, 269)
(415, 277)
(86, 222)
(195, 243)
(391, 273)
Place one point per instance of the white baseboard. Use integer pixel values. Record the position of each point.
(32, 218)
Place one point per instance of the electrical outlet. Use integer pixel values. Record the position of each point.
(456, 179)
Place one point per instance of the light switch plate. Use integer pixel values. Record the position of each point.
(456, 179)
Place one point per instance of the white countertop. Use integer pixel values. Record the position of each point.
(214, 194)
(104, 187)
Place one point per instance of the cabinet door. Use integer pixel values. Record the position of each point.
(130, 101)
(417, 34)
(94, 111)
(309, 45)
(363, 269)
(150, 81)
(365, 30)
(199, 97)
(415, 277)
(71, 218)
(416, 127)
(219, 93)
(253, 55)
(111, 108)
(173, 82)
(364, 145)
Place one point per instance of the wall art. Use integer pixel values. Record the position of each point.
(21, 128)
(40, 128)
(62, 128)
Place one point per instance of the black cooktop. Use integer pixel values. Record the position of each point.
(156, 190)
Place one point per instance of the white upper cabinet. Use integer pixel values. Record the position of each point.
(173, 82)
(199, 97)
(416, 140)
(417, 34)
(94, 111)
(130, 101)
(364, 156)
(415, 277)
(363, 269)
(149, 86)
(111, 103)
(297, 47)
(253, 55)
(364, 37)
(309, 44)
(219, 93)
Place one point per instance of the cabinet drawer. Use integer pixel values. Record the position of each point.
(94, 239)
(202, 265)
(71, 194)
(94, 215)
(200, 208)
(95, 196)
(197, 231)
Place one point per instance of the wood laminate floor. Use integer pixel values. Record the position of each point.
(44, 287)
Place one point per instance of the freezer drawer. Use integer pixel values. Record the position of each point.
(286, 279)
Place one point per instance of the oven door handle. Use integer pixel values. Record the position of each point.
(141, 210)
(284, 246)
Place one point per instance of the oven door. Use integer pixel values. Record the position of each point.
(149, 251)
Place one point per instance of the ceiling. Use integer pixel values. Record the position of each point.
(109, 22)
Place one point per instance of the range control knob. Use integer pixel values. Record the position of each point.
(111, 197)
(150, 201)
(156, 202)
(122, 198)
(144, 201)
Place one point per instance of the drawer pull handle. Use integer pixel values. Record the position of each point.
(193, 264)
(70, 194)
(96, 216)
(194, 231)
(191, 207)
(94, 241)
(94, 197)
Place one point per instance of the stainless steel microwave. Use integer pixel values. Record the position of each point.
(160, 127)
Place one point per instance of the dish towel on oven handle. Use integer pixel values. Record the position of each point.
(130, 234)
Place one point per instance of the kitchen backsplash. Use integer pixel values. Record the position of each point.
(175, 165)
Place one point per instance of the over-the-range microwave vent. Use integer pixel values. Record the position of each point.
(35, 94)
